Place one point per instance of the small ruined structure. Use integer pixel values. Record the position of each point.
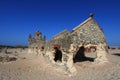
(36, 43)
(68, 47)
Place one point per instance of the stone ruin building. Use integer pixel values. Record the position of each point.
(68, 47)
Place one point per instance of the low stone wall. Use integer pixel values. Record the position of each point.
(67, 56)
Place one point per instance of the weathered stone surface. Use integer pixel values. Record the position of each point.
(101, 53)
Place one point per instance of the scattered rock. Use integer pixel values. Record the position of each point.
(7, 59)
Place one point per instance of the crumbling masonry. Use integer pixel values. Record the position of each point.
(68, 47)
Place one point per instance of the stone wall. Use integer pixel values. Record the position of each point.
(89, 32)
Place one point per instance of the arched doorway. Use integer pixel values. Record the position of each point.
(80, 55)
(58, 53)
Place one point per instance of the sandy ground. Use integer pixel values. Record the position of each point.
(28, 67)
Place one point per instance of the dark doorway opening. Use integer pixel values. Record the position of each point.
(58, 55)
(80, 56)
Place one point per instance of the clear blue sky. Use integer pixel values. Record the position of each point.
(18, 18)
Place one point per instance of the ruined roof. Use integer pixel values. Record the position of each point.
(90, 18)
(61, 33)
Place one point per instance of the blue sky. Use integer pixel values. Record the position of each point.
(18, 18)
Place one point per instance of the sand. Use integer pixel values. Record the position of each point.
(31, 67)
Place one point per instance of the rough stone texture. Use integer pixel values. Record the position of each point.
(62, 34)
(101, 53)
(87, 35)
(89, 32)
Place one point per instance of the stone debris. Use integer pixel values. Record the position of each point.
(7, 59)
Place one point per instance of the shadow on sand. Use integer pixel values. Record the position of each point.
(116, 54)
(84, 59)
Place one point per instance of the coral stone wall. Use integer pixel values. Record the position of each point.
(90, 33)
(63, 42)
